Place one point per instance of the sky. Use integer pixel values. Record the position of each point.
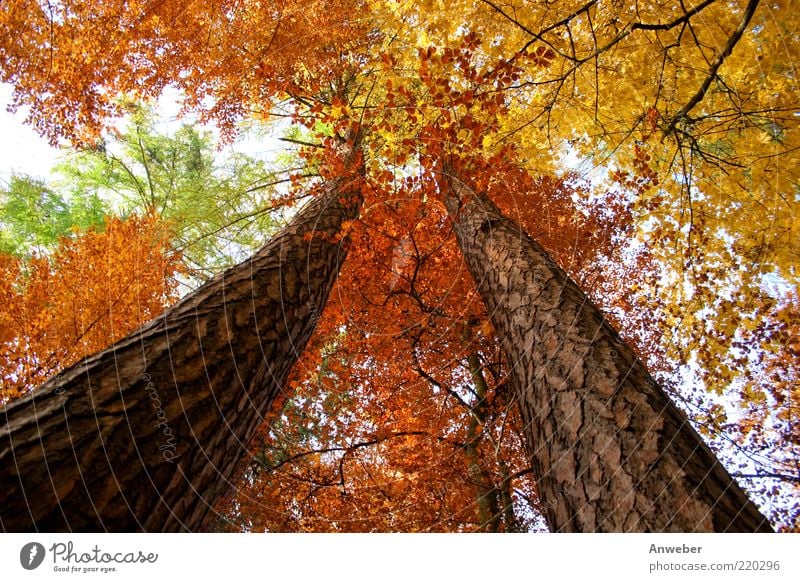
(23, 151)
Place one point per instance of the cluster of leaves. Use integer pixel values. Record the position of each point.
(70, 61)
(217, 204)
(34, 215)
(91, 291)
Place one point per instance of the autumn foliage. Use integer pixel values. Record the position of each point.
(92, 290)
(399, 416)
(72, 60)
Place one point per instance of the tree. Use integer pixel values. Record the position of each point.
(591, 411)
(217, 205)
(35, 216)
(468, 86)
(706, 154)
(152, 417)
(491, 100)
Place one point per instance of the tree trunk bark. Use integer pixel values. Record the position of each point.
(146, 434)
(609, 450)
(489, 515)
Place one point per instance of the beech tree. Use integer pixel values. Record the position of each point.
(152, 446)
(591, 412)
(515, 92)
(128, 395)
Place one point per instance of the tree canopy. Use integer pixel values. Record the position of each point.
(651, 148)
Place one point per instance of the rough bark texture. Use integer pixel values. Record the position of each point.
(146, 434)
(610, 451)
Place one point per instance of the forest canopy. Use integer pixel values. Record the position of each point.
(649, 149)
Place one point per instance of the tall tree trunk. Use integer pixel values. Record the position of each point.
(510, 521)
(489, 515)
(609, 450)
(146, 434)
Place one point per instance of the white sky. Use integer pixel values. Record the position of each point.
(23, 151)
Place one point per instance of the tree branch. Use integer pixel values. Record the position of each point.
(779, 476)
(348, 448)
(300, 142)
(712, 73)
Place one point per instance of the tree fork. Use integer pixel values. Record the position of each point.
(146, 435)
(609, 449)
